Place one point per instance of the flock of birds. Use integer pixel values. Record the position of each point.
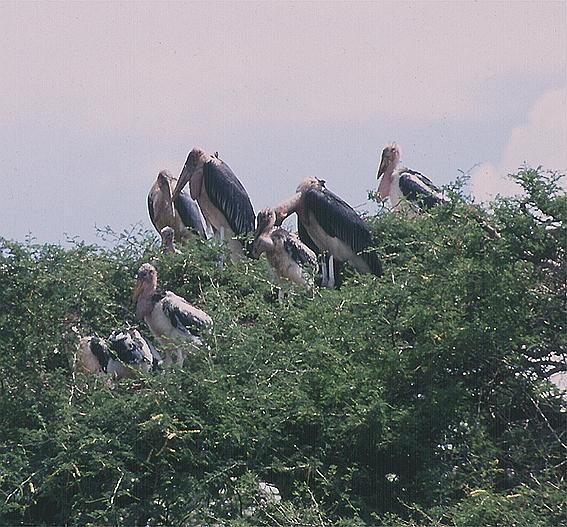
(218, 206)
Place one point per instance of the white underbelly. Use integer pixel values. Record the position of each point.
(339, 249)
(213, 216)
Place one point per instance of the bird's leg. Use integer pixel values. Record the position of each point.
(331, 284)
(221, 235)
(324, 275)
(180, 358)
(281, 294)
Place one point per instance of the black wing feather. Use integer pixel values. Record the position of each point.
(101, 352)
(341, 221)
(128, 354)
(190, 213)
(425, 193)
(229, 196)
(180, 319)
(294, 248)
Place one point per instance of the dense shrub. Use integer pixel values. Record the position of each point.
(418, 398)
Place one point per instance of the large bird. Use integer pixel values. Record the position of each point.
(169, 317)
(289, 258)
(222, 198)
(332, 225)
(182, 214)
(128, 354)
(407, 189)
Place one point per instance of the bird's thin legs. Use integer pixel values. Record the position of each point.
(331, 263)
(324, 273)
(221, 234)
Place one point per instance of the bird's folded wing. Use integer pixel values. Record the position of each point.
(229, 196)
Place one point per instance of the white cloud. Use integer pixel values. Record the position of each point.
(541, 141)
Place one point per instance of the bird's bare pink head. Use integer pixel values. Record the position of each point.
(390, 158)
(167, 235)
(194, 160)
(311, 182)
(266, 218)
(164, 179)
(146, 281)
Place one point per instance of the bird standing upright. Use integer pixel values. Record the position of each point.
(407, 189)
(288, 256)
(332, 225)
(223, 200)
(169, 317)
(181, 214)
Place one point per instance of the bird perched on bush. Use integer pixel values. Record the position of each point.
(124, 355)
(289, 258)
(223, 200)
(169, 317)
(332, 226)
(407, 189)
(182, 214)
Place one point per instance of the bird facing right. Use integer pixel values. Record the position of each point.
(408, 190)
(170, 317)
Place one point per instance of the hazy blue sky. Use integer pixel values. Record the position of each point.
(96, 98)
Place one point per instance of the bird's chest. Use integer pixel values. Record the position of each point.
(158, 321)
(279, 259)
(284, 265)
(396, 195)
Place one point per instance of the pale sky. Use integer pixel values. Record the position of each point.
(96, 98)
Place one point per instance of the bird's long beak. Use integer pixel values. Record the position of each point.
(184, 178)
(385, 184)
(384, 162)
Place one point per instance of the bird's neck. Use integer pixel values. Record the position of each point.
(385, 186)
(286, 208)
(145, 303)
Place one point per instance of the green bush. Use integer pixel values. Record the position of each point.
(419, 398)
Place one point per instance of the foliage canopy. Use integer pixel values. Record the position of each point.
(417, 399)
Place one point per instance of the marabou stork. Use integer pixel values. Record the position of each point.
(222, 198)
(289, 258)
(169, 317)
(167, 246)
(128, 354)
(182, 214)
(407, 189)
(332, 225)
(134, 350)
(410, 191)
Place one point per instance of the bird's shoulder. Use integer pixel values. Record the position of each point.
(338, 218)
(183, 312)
(415, 186)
